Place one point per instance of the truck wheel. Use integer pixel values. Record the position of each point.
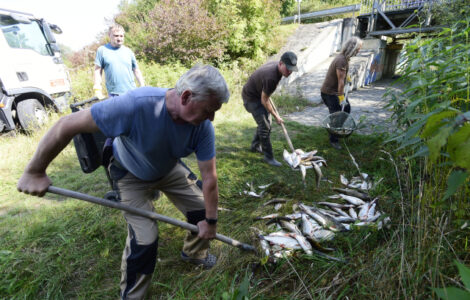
(31, 114)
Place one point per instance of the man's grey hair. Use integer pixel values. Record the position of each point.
(115, 27)
(204, 81)
(351, 46)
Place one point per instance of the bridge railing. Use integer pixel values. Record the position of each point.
(367, 6)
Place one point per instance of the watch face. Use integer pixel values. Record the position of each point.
(211, 221)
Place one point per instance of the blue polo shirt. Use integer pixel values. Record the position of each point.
(147, 141)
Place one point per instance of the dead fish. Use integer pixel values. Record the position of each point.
(303, 243)
(353, 193)
(334, 197)
(223, 209)
(268, 217)
(299, 151)
(277, 206)
(294, 216)
(295, 160)
(352, 213)
(265, 186)
(325, 221)
(252, 194)
(288, 158)
(352, 199)
(265, 246)
(309, 226)
(303, 170)
(338, 205)
(343, 219)
(341, 212)
(284, 240)
(318, 173)
(374, 217)
(275, 201)
(291, 227)
(343, 180)
(323, 235)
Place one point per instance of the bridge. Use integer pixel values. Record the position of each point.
(380, 23)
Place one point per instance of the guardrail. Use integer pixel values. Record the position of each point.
(367, 6)
(324, 13)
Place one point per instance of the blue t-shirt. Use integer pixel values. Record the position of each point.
(148, 142)
(118, 65)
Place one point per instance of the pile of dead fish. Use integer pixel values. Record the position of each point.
(310, 226)
(301, 161)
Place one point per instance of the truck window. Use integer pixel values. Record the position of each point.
(24, 36)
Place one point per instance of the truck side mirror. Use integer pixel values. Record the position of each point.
(47, 32)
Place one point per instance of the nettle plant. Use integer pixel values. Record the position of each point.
(433, 111)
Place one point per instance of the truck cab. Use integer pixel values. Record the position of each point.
(33, 77)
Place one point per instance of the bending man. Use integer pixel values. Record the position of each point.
(152, 129)
(256, 92)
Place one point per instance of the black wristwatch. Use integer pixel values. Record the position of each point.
(211, 221)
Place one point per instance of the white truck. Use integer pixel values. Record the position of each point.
(33, 77)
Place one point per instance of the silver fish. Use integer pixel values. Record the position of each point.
(265, 186)
(291, 227)
(341, 212)
(352, 213)
(323, 235)
(343, 180)
(325, 221)
(309, 225)
(303, 170)
(294, 216)
(338, 205)
(354, 193)
(276, 201)
(265, 246)
(343, 219)
(352, 199)
(334, 197)
(303, 243)
(318, 173)
(284, 240)
(374, 217)
(295, 160)
(268, 217)
(252, 194)
(288, 158)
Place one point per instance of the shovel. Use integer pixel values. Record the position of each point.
(145, 213)
(283, 127)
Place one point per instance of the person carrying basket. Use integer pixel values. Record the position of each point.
(332, 90)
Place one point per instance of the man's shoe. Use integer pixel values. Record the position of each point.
(207, 262)
(336, 145)
(272, 162)
(256, 149)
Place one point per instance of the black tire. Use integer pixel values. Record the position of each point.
(31, 114)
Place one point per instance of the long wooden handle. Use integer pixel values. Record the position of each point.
(283, 128)
(145, 213)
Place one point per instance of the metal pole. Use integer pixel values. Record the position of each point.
(145, 213)
(299, 9)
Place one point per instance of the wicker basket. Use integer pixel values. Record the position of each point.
(340, 124)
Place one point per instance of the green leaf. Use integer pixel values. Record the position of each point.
(437, 142)
(435, 121)
(452, 293)
(458, 147)
(464, 272)
(423, 151)
(454, 181)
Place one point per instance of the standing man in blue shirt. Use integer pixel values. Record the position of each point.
(119, 65)
(152, 129)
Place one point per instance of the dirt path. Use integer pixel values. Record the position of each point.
(366, 103)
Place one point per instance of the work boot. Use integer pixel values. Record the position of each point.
(336, 145)
(207, 262)
(256, 148)
(272, 161)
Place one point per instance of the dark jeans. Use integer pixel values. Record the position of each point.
(332, 102)
(263, 120)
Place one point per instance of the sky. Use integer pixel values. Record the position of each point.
(80, 20)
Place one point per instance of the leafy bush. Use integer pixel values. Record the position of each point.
(433, 110)
(190, 30)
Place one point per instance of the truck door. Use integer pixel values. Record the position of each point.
(28, 60)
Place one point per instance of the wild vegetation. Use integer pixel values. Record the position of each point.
(59, 248)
